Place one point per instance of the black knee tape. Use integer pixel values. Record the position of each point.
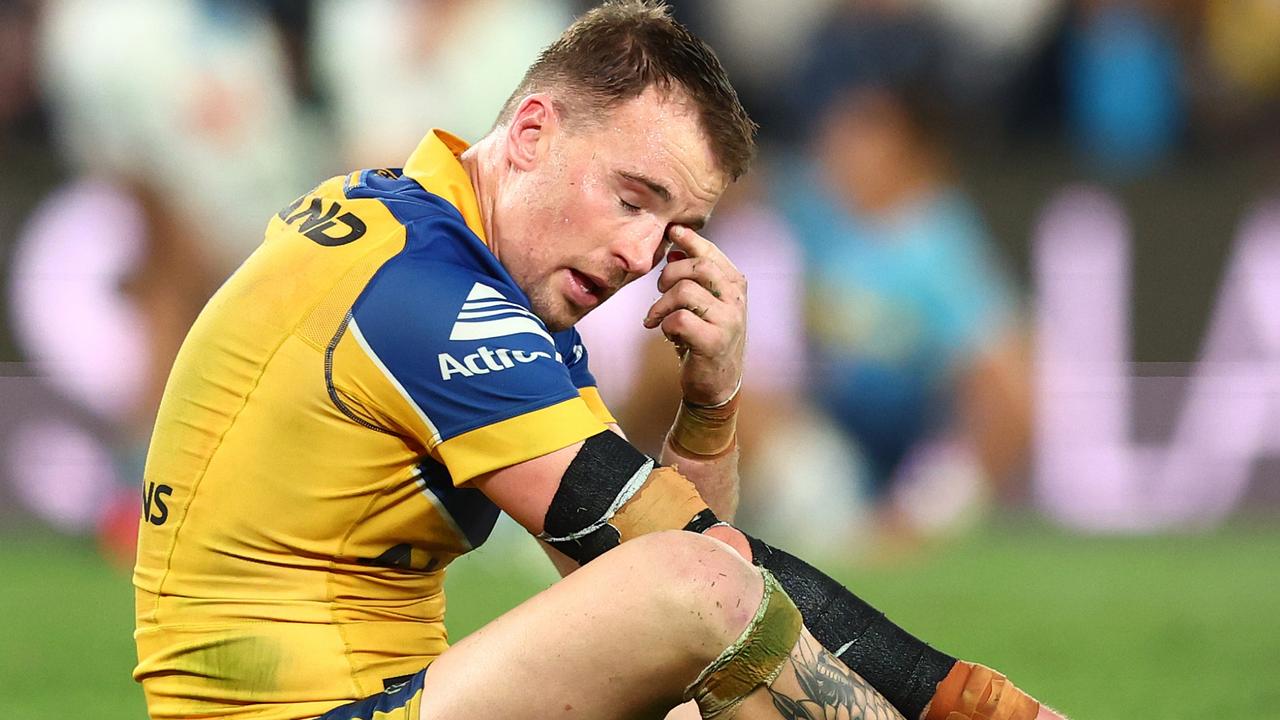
(576, 523)
(904, 669)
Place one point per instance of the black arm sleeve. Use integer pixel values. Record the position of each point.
(901, 667)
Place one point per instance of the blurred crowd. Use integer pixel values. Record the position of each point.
(938, 234)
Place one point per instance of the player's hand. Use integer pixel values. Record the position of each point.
(703, 310)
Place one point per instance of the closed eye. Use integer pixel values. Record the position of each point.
(628, 206)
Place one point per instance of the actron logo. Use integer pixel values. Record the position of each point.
(484, 361)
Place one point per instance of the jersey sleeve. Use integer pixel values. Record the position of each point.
(569, 343)
(470, 369)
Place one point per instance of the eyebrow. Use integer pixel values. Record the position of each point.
(658, 188)
(664, 194)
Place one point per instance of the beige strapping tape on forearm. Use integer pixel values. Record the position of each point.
(705, 431)
(754, 659)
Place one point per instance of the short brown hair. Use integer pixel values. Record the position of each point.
(616, 51)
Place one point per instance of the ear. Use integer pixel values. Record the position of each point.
(531, 128)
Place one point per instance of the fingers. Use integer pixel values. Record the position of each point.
(689, 242)
(692, 334)
(703, 311)
(724, 282)
(699, 286)
(687, 296)
(705, 264)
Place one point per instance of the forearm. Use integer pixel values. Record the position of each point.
(703, 446)
(563, 563)
(715, 477)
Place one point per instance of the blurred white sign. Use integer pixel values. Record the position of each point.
(1090, 470)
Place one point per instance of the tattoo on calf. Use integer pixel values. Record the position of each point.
(830, 691)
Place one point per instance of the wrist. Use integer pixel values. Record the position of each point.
(732, 397)
(705, 431)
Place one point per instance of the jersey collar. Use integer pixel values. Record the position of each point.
(435, 166)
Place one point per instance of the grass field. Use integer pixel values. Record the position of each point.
(1104, 628)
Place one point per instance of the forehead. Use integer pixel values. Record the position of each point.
(658, 135)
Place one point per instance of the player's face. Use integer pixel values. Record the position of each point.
(592, 213)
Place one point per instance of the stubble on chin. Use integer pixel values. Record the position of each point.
(557, 322)
(554, 312)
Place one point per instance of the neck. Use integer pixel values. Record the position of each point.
(480, 162)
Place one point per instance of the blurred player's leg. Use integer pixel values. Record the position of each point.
(624, 637)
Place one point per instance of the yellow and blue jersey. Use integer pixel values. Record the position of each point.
(307, 480)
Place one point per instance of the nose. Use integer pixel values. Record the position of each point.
(638, 254)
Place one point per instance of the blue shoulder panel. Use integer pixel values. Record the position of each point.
(450, 325)
(569, 344)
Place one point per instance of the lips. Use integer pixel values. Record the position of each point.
(585, 290)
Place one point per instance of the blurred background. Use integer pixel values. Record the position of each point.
(1014, 355)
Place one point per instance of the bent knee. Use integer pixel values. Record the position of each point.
(686, 557)
(697, 578)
